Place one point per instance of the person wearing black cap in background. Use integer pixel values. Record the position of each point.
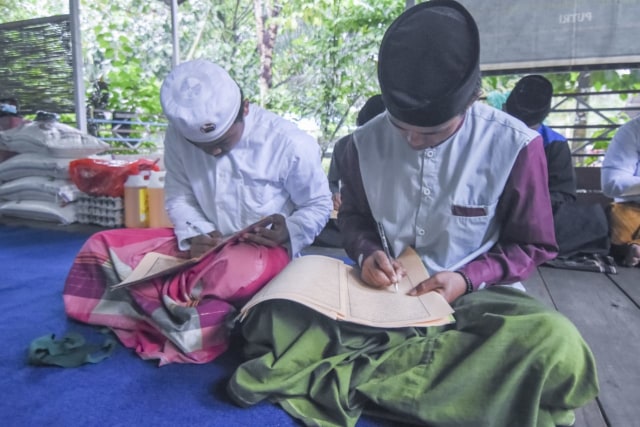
(465, 185)
(330, 235)
(371, 108)
(582, 231)
(530, 101)
(228, 164)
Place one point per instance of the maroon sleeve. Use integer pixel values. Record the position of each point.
(358, 228)
(527, 238)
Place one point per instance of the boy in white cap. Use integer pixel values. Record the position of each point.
(465, 186)
(228, 164)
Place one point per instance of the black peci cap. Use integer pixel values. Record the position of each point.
(429, 63)
(371, 108)
(530, 99)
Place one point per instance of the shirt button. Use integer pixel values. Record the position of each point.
(426, 191)
(420, 231)
(430, 153)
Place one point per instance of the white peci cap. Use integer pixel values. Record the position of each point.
(200, 99)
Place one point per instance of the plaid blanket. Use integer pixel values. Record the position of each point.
(179, 318)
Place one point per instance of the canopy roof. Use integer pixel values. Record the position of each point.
(523, 36)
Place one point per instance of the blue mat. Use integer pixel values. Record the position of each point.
(122, 390)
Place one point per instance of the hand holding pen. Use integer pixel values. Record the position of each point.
(380, 269)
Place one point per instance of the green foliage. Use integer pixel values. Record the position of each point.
(128, 53)
(324, 64)
(568, 82)
(326, 61)
(615, 80)
(19, 11)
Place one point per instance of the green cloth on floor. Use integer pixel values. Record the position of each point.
(69, 352)
(508, 360)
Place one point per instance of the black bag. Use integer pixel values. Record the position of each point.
(582, 233)
(581, 229)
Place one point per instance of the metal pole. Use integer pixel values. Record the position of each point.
(78, 74)
(175, 60)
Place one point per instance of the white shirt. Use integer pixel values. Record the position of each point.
(621, 165)
(274, 168)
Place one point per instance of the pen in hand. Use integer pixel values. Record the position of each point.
(385, 247)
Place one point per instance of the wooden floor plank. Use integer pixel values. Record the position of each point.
(536, 287)
(590, 416)
(629, 281)
(609, 322)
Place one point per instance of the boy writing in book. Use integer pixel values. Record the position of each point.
(229, 164)
(465, 185)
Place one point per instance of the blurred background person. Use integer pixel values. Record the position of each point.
(621, 181)
(580, 229)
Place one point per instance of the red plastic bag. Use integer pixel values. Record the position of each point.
(98, 177)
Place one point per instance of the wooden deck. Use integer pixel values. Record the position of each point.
(606, 310)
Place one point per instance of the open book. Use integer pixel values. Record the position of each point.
(335, 289)
(155, 264)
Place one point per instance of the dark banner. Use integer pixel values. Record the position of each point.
(518, 35)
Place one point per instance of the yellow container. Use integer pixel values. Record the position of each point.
(136, 205)
(157, 213)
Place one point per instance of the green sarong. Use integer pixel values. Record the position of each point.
(507, 361)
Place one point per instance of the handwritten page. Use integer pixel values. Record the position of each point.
(335, 289)
(387, 308)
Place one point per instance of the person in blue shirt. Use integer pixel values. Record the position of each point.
(580, 229)
(530, 101)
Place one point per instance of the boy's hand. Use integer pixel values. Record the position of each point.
(275, 235)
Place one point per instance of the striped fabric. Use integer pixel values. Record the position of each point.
(179, 318)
